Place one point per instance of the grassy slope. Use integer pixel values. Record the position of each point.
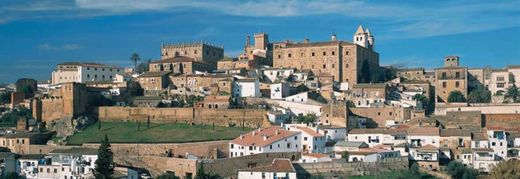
(126, 132)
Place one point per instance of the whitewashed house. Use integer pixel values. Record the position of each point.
(279, 90)
(279, 169)
(312, 141)
(268, 140)
(246, 88)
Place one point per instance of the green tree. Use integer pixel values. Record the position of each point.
(135, 58)
(307, 119)
(192, 100)
(513, 93)
(456, 97)
(104, 163)
(479, 95)
(5, 98)
(27, 90)
(506, 169)
(414, 170)
(12, 175)
(201, 174)
(345, 155)
(350, 104)
(422, 101)
(458, 171)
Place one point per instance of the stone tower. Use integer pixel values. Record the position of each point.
(261, 41)
(364, 38)
(451, 61)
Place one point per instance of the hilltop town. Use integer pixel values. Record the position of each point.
(289, 109)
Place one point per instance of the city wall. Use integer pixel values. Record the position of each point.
(212, 149)
(252, 118)
(341, 168)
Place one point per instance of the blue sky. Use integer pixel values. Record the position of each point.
(35, 35)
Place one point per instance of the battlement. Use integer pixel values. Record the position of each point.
(189, 45)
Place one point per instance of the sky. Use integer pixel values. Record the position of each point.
(35, 35)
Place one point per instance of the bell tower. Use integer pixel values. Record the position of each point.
(364, 38)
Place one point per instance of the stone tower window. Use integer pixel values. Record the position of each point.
(289, 55)
(346, 53)
(313, 54)
(324, 53)
(195, 51)
(324, 66)
(333, 53)
(457, 84)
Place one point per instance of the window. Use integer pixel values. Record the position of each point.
(288, 145)
(289, 55)
(444, 84)
(456, 84)
(443, 75)
(324, 66)
(324, 53)
(304, 138)
(312, 54)
(232, 145)
(457, 74)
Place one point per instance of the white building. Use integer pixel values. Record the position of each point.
(28, 165)
(279, 169)
(246, 88)
(277, 116)
(268, 140)
(314, 158)
(72, 163)
(298, 98)
(279, 90)
(484, 159)
(498, 142)
(83, 72)
(333, 133)
(312, 141)
(378, 136)
(277, 74)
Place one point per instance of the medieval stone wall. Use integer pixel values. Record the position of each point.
(222, 117)
(341, 168)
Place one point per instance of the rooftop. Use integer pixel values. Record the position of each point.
(424, 131)
(278, 165)
(154, 74)
(263, 137)
(369, 85)
(174, 60)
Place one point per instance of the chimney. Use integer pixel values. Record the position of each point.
(276, 132)
(333, 37)
(306, 40)
(254, 132)
(241, 136)
(265, 137)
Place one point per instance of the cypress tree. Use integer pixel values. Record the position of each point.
(104, 163)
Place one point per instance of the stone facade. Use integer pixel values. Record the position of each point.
(68, 101)
(252, 118)
(377, 117)
(346, 61)
(343, 168)
(199, 51)
(450, 78)
(179, 65)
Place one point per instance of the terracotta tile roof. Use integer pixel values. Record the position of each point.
(391, 131)
(449, 132)
(424, 131)
(278, 165)
(271, 134)
(316, 155)
(174, 60)
(482, 150)
(428, 148)
(309, 131)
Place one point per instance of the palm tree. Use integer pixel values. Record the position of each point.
(135, 58)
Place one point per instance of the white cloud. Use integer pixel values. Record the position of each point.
(47, 46)
(399, 19)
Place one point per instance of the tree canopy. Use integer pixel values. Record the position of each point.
(135, 58)
(458, 171)
(308, 118)
(479, 95)
(506, 169)
(104, 163)
(513, 94)
(456, 97)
